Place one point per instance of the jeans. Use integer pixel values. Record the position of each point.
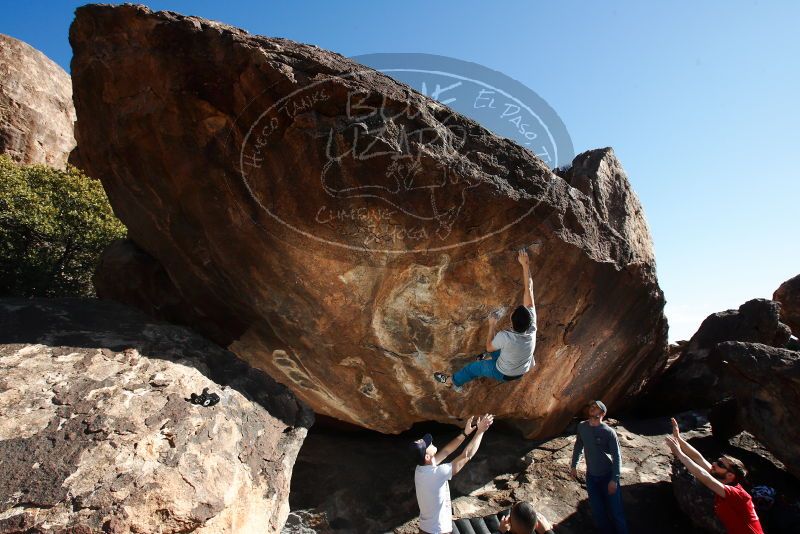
(487, 368)
(606, 509)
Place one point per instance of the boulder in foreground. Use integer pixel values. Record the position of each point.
(97, 431)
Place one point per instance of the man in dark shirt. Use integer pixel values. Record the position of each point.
(602, 470)
(732, 504)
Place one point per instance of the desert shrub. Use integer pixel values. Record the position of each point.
(53, 226)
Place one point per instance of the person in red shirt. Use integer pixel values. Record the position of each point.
(732, 504)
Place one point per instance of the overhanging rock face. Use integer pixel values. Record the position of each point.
(349, 235)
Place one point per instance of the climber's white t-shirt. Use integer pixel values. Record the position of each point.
(516, 350)
(433, 497)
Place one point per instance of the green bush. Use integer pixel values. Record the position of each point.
(53, 226)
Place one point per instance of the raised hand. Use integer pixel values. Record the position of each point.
(469, 428)
(522, 257)
(676, 432)
(505, 523)
(484, 422)
(673, 444)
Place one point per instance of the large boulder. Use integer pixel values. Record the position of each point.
(349, 235)
(765, 381)
(692, 381)
(788, 294)
(97, 431)
(36, 111)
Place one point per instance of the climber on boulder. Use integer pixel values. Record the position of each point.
(510, 352)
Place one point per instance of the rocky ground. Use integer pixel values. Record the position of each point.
(358, 482)
(97, 431)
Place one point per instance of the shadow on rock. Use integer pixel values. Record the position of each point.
(92, 323)
(649, 507)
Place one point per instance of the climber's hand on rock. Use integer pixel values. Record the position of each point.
(469, 428)
(492, 321)
(612, 487)
(574, 472)
(522, 257)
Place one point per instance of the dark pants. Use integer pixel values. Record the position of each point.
(606, 509)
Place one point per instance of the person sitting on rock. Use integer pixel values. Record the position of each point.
(732, 504)
(510, 351)
(432, 474)
(523, 519)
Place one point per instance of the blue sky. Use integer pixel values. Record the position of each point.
(698, 99)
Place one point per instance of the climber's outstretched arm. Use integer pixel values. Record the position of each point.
(527, 281)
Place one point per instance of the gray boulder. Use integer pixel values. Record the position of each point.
(97, 430)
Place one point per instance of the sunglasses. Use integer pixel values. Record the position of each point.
(721, 463)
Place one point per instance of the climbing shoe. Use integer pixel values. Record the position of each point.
(441, 377)
(205, 398)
